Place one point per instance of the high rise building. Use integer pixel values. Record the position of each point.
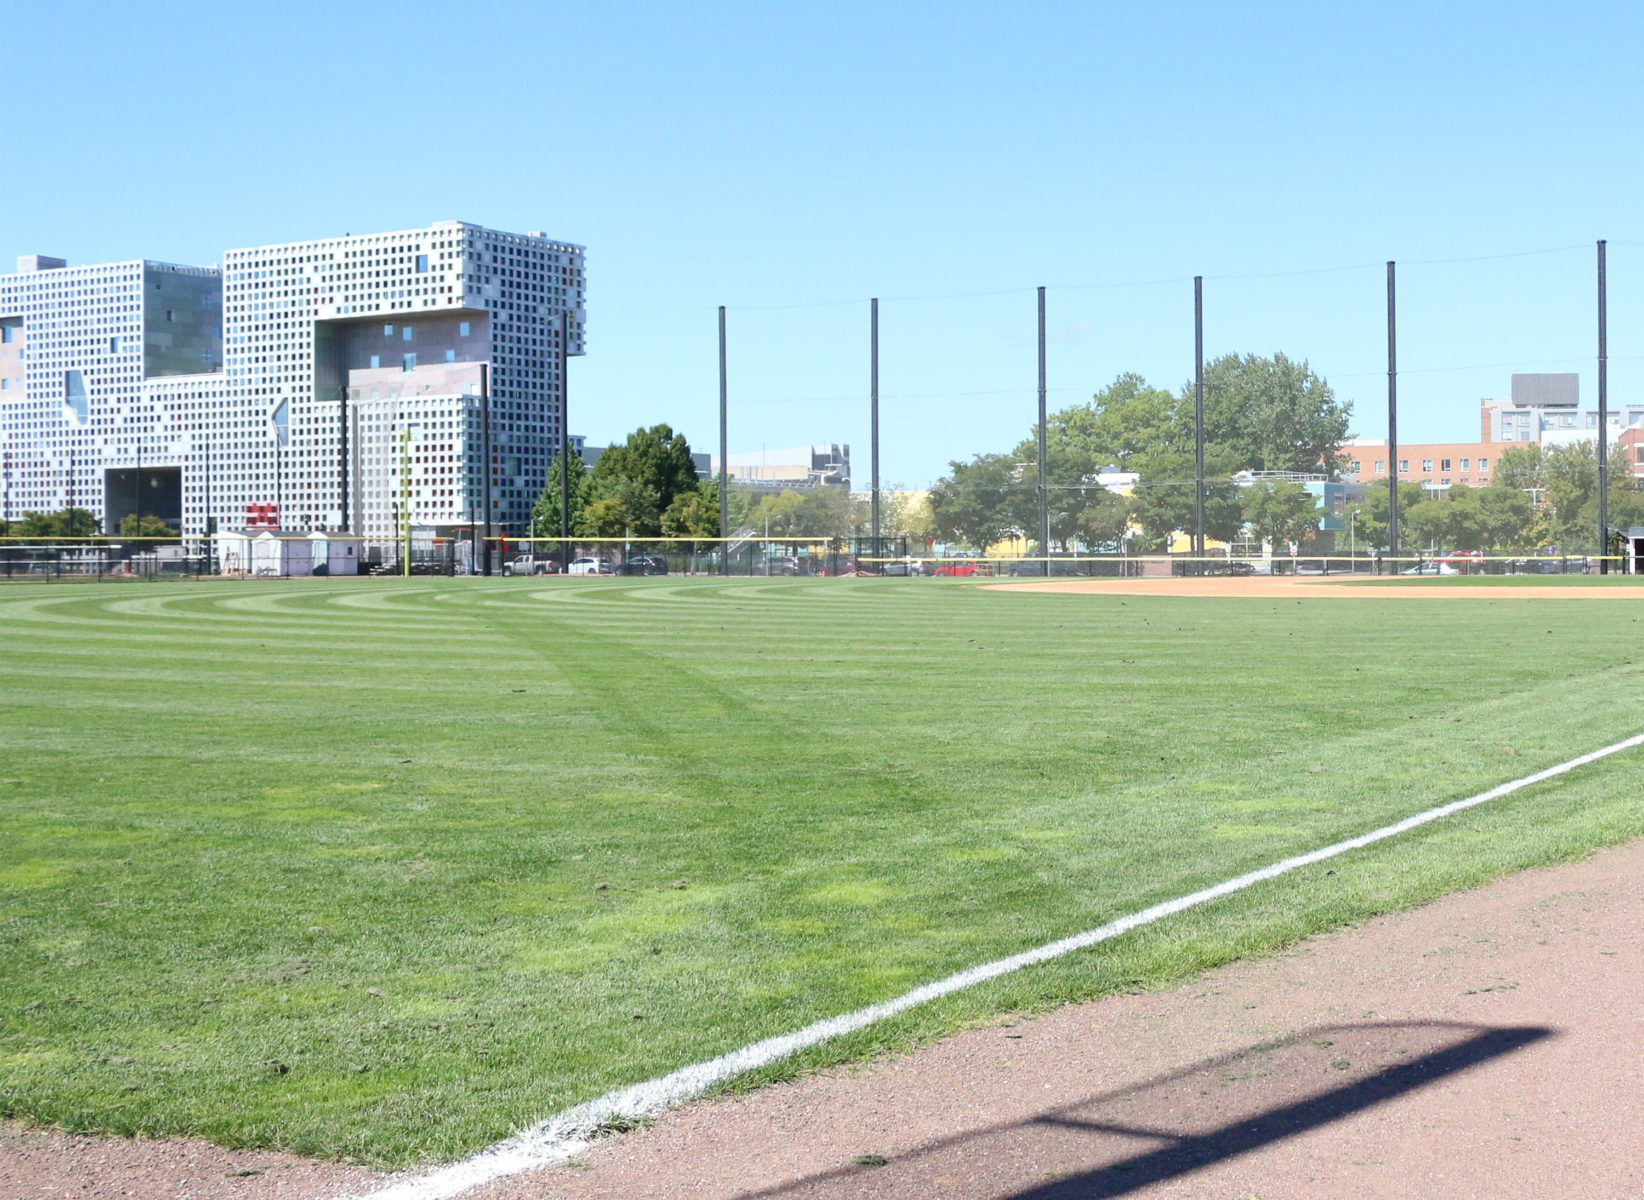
(1546, 409)
(312, 385)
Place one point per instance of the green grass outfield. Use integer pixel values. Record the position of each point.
(384, 869)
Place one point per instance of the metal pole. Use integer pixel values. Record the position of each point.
(873, 374)
(405, 501)
(1044, 480)
(138, 502)
(342, 457)
(564, 441)
(1198, 420)
(1392, 419)
(724, 461)
(1603, 423)
(206, 523)
(485, 435)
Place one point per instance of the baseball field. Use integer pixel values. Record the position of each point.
(385, 870)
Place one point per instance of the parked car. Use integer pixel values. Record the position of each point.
(778, 564)
(903, 566)
(958, 568)
(528, 564)
(643, 564)
(1430, 568)
(589, 566)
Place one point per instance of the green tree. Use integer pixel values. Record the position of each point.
(1163, 502)
(646, 474)
(1371, 526)
(1520, 467)
(1280, 513)
(72, 523)
(776, 513)
(1124, 424)
(149, 526)
(694, 514)
(828, 511)
(1508, 517)
(622, 508)
(1104, 520)
(1270, 414)
(974, 503)
(545, 512)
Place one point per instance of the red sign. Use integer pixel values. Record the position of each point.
(262, 516)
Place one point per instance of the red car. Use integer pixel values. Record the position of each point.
(956, 568)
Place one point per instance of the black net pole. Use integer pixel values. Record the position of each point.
(342, 454)
(1044, 482)
(1198, 417)
(1392, 420)
(564, 442)
(1603, 424)
(873, 387)
(490, 451)
(724, 461)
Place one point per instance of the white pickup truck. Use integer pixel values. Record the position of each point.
(527, 564)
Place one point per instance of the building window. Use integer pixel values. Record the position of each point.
(1381, 466)
(169, 315)
(422, 264)
(388, 331)
(1356, 466)
(1404, 466)
(462, 329)
(74, 395)
(405, 332)
(6, 334)
(450, 356)
(1464, 463)
(376, 361)
(1444, 464)
(408, 362)
(1483, 464)
(1426, 466)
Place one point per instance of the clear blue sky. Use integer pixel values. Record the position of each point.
(790, 160)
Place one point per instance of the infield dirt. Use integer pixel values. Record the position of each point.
(1324, 587)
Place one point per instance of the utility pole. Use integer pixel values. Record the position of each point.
(1198, 422)
(724, 461)
(1044, 482)
(873, 387)
(1603, 424)
(405, 501)
(1392, 420)
(485, 434)
(564, 441)
(342, 454)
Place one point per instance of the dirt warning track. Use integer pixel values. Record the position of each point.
(1327, 587)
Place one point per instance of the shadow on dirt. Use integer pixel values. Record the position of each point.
(1117, 1142)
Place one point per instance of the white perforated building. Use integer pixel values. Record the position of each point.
(286, 388)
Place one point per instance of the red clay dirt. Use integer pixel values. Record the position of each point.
(1266, 587)
(1489, 1044)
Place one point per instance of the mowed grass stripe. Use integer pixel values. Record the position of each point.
(672, 816)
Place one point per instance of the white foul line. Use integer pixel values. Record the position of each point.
(562, 1137)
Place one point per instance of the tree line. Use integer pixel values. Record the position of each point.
(1260, 415)
(1270, 417)
(648, 487)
